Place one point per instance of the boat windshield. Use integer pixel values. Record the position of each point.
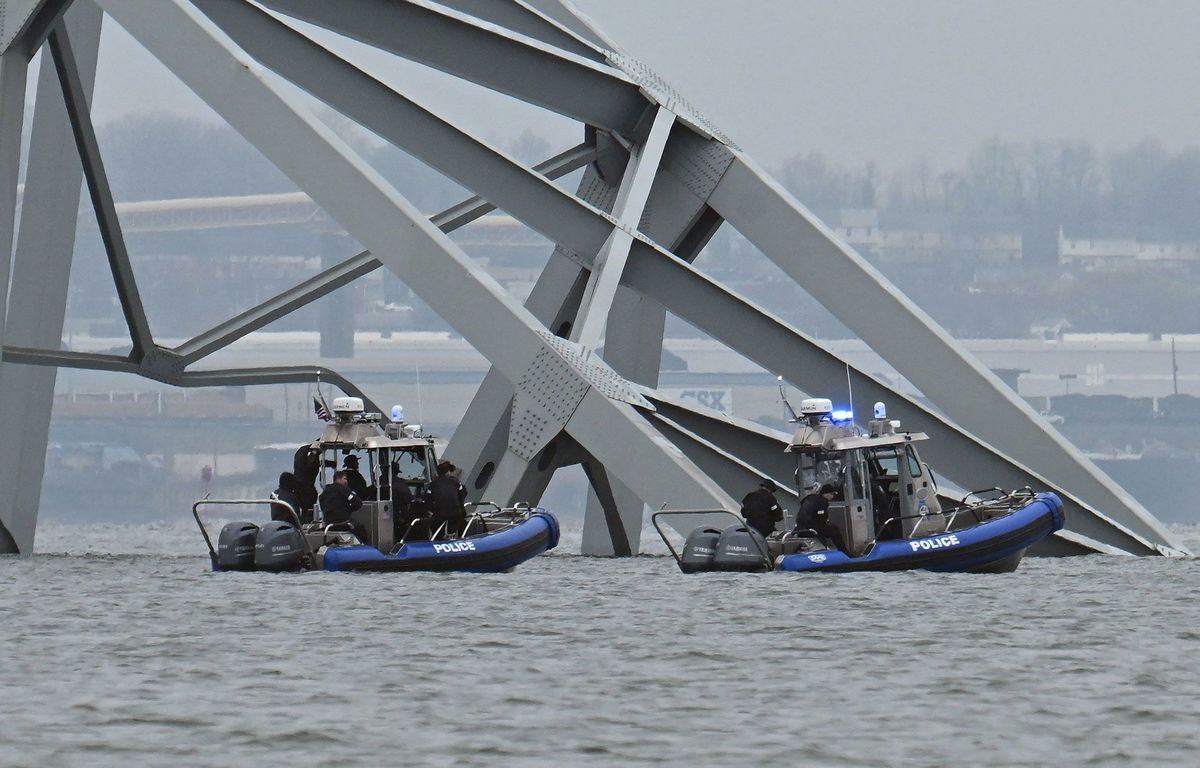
(412, 464)
(816, 469)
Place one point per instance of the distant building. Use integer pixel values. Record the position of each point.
(1111, 255)
(859, 227)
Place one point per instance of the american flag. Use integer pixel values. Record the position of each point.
(320, 409)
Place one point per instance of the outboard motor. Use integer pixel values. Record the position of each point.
(235, 546)
(741, 549)
(279, 547)
(699, 550)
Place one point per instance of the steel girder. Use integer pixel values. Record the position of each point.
(595, 94)
(14, 67)
(660, 180)
(585, 393)
(40, 274)
(908, 339)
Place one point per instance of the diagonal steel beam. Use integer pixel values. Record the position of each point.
(592, 93)
(356, 266)
(409, 245)
(79, 113)
(320, 284)
(42, 16)
(616, 532)
(764, 339)
(519, 17)
(520, 191)
(569, 16)
(592, 319)
(14, 70)
(907, 338)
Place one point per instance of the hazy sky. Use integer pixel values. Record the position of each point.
(864, 80)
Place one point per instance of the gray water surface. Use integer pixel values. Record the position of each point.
(148, 658)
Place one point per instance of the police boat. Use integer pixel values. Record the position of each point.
(378, 536)
(885, 513)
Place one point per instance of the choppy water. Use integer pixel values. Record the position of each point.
(147, 658)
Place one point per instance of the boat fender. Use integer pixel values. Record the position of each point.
(235, 546)
(740, 549)
(699, 549)
(278, 547)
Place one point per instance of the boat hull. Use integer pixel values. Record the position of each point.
(495, 552)
(992, 547)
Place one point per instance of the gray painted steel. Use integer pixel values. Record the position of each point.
(79, 112)
(595, 94)
(41, 271)
(954, 381)
(660, 180)
(409, 245)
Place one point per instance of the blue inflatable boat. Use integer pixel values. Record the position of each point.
(488, 553)
(867, 503)
(383, 517)
(1009, 526)
(497, 541)
(995, 545)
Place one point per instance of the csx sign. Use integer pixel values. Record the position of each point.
(719, 399)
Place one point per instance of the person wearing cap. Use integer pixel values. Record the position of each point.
(447, 497)
(813, 514)
(357, 482)
(760, 508)
(286, 492)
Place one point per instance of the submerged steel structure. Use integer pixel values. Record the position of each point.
(575, 368)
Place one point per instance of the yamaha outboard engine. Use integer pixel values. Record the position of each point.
(741, 549)
(279, 547)
(699, 550)
(235, 546)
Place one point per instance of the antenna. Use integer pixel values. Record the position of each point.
(792, 417)
(849, 388)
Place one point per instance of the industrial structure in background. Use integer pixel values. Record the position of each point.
(576, 368)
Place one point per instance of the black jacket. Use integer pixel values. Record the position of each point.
(288, 495)
(814, 514)
(356, 481)
(446, 498)
(761, 511)
(338, 502)
(305, 466)
(402, 496)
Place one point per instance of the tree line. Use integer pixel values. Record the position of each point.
(1143, 191)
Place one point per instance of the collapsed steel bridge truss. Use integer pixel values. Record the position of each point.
(658, 180)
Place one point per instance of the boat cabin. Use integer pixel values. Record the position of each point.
(882, 489)
(386, 451)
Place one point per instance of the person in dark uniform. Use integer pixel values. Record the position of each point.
(306, 465)
(446, 499)
(405, 509)
(761, 510)
(358, 483)
(286, 492)
(338, 503)
(813, 514)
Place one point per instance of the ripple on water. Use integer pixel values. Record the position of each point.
(121, 647)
